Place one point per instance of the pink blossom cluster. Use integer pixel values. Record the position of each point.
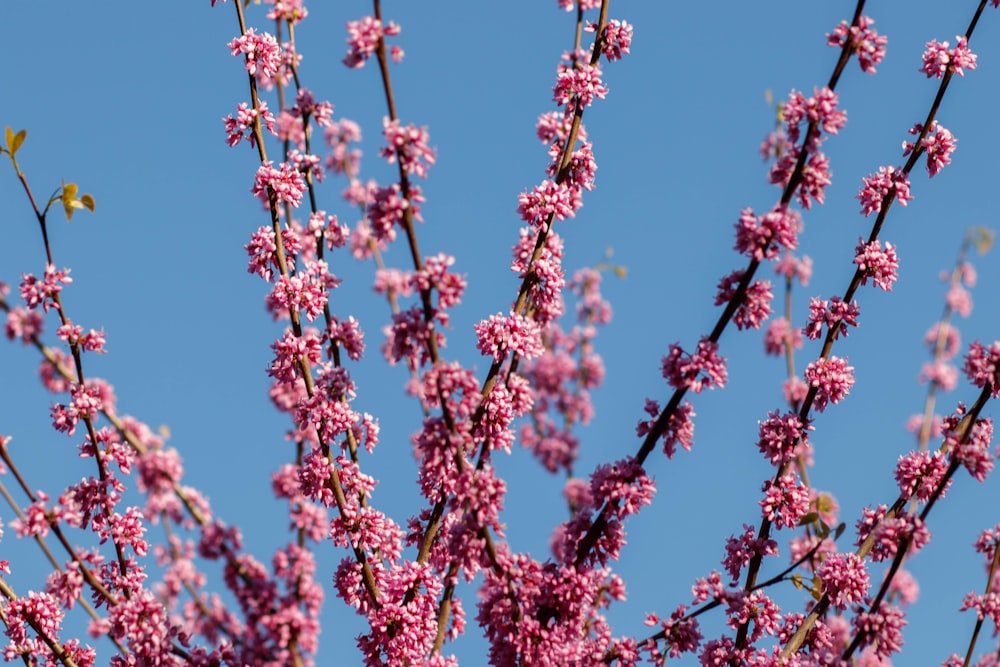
(862, 40)
(286, 184)
(363, 37)
(835, 315)
(938, 143)
(43, 292)
(261, 51)
(879, 265)
(696, 371)
(410, 145)
(888, 183)
(616, 40)
(938, 58)
(242, 127)
(831, 379)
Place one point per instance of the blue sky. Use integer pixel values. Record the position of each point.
(127, 100)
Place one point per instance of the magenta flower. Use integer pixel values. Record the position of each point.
(832, 378)
(834, 314)
(241, 127)
(876, 187)
(617, 38)
(863, 40)
(755, 307)
(845, 579)
(287, 184)
(579, 85)
(363, 37)
(882, 630)
(704, 368)
(982, 366)
(785, 502)
(918, 474)
(514, 334)
(680, 427)
(410, 145)
(882, 266)
(939, 144)
(261, 51)
(765, 237)
(43, 292)
(783, 437)
(545, 200)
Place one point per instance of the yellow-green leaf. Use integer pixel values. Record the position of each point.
(18, 140)
(983, 239)
(69, 200)
(10, 137)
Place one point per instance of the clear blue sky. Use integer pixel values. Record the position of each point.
(126, 99)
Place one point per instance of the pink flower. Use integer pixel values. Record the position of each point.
(832, 378)
(363, 37)
(765, 237)
(578, 84)
(755, 307)
(410, 145)
(783, 437)
(24, 324)
(739, 550)
(973, 451)
(785, 502)
(779, 335)
(292, 11)
(882, 266)
(704, 368)
(862, 40)
(939, 144)
(287, 184)
(882, 630)
(262, 52)
(937, 58)
(792, 267)
(959, 300)
(680, 427)
(982, 366)
(43, 292)
(845, 579)
(876, 187)
(514, 334)
(918, 474)
(242, 126)
(834, 314)
(961, 57)
(617, 38)
(550, 199)
(952, 339)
